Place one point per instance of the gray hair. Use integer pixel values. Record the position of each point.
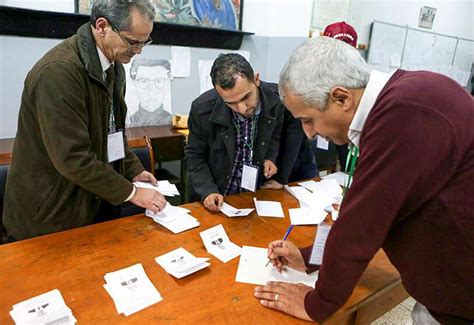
(320, 64)
(117, 12)
(143, 62)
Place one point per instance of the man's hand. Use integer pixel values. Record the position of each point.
(213, 202)
(145, 176)
(284, 253)
(269, 168)
(286, 297)
(272, 185)
(149, 199)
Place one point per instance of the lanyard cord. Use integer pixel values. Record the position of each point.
(352, 156)
(253, 134)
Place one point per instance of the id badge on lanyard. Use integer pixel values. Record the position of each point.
(115, 145)
(249, 177)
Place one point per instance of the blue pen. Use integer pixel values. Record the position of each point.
(290, 228)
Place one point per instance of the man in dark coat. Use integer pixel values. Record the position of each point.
(236, 124)
(296, 160)
(72, 114)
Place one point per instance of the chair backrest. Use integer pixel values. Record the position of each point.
(143, 149)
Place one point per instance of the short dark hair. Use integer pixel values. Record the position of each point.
(142, 62)
(117, 12)
(226, 69)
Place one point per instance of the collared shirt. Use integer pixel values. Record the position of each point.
(375, 85)
(104, 62)
(246, 134)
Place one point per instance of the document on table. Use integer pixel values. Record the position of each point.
(329, 187)
(218, 243)
(230, 211)
(269, 209)
(131, 289)
(307, 216)
(180, 263)
(308, 199)
(47, 308)
(176, 219)
(164, 187)
(252, 269)
(340, 177)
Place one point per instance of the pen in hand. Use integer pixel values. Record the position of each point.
(281, 243)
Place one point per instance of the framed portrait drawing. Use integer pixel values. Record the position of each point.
(427, 16)
(220, 14)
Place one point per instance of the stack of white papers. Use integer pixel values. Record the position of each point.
(340, 177)
(316, 200)
(131, 290)
(230, 211)
(180, 263)
(176, 219)
(218, 243)
(307, 216)
(327, 187)
(48, 308)
(253, 269)
(269, 208)
(164, 187)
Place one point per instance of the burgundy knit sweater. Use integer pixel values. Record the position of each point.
(412, 195)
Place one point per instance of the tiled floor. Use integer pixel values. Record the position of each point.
(399, 315)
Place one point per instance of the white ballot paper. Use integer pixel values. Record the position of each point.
(230, 211)
(252, 269)
(307, 216)
(47, 308)
(180, 263)
(340, 177)
(164, 187)
(269, 208)
(328, 187)
(218, 244)
(131, 289)
(174, 218)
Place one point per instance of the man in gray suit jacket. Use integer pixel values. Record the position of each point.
(236, 124)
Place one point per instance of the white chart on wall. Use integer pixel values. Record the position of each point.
(393, 46)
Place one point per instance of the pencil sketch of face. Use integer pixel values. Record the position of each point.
(151, 80)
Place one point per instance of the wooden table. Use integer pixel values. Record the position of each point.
(75, 262)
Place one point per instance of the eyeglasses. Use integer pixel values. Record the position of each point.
(144, 83)
(132, 44)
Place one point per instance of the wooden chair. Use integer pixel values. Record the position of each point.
(143, 149)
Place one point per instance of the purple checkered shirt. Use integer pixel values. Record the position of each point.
(244, 142)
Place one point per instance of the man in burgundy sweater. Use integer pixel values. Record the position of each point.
(412, 192)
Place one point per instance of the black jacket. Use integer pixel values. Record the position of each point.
(210, 151)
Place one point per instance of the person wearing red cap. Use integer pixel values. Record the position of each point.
(342, 31)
